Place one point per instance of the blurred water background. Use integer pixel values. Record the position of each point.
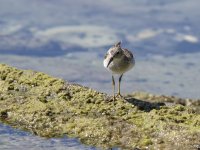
(68, 39)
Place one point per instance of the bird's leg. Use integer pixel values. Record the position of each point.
(119, 85)
(113, 84)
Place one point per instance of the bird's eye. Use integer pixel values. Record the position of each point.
(117, 53)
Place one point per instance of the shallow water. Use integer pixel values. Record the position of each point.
(68, 39)
(15, 139)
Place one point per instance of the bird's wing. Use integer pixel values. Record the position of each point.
(128, 53)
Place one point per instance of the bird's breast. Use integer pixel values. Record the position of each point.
(118, 66)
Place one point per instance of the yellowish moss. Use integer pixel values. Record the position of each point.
(145, 142)
(51, 107)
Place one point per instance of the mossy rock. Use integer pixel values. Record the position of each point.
(51, 107)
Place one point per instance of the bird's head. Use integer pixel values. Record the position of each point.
(115, 52)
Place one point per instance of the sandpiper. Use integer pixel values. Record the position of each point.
(118, 60)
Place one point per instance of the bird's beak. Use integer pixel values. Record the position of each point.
(111, 59)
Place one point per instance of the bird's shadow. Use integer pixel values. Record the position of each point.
(144, 105)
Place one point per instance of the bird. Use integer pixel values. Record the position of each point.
(118, 60)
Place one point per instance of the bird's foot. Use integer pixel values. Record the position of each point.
(114, 98)
(119, 95)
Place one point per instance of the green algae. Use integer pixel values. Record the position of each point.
(51, 107)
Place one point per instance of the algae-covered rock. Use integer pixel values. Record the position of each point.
(51, 107)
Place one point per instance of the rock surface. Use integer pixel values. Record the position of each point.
(51, 107)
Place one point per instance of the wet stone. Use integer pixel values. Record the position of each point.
(50, 107)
